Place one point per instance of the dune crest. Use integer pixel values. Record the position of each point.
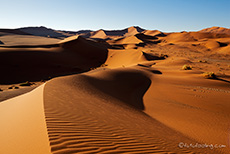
(216, 29)
(23, 125)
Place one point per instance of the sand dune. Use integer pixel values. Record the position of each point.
(23, 126)
(45, 32)
(77, 123)
(124, 58)
(215, 29)
(153, 33)
(113, 34)
(134, 39)
(122, 91)
(133, 30)
(192, 36)
(128, 40)
(103, 123)
(12, 31)
(99, 34)
(14, 40)
(40, 62)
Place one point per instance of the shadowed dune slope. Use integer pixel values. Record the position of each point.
(12, 31)
(91, 113)
(46, 32)
(37, 63)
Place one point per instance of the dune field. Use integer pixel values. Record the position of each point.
(131, 91)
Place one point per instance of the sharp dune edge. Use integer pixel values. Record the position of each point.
(23, 126)
(118, 91)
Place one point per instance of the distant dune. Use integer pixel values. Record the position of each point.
(43, 31)
(153, 33)
(12, 31)
(220, 30)
(114, 91)
(14, 40)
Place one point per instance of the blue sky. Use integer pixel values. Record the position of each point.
(164, 15)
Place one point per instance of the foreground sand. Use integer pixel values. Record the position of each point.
(23, 126)
(128, 95)
(82, 117)
(90, 113)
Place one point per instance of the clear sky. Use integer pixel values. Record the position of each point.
(164, 15)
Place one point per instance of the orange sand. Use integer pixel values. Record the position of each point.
(127, 93)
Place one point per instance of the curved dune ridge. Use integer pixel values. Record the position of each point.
(90, 113)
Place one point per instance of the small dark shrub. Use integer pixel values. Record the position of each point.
(209, 75)
(27, 83)
(187, 67)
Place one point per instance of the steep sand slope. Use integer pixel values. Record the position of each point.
(31, 63)
(92, 113)
(124, 58)
(23, 126)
